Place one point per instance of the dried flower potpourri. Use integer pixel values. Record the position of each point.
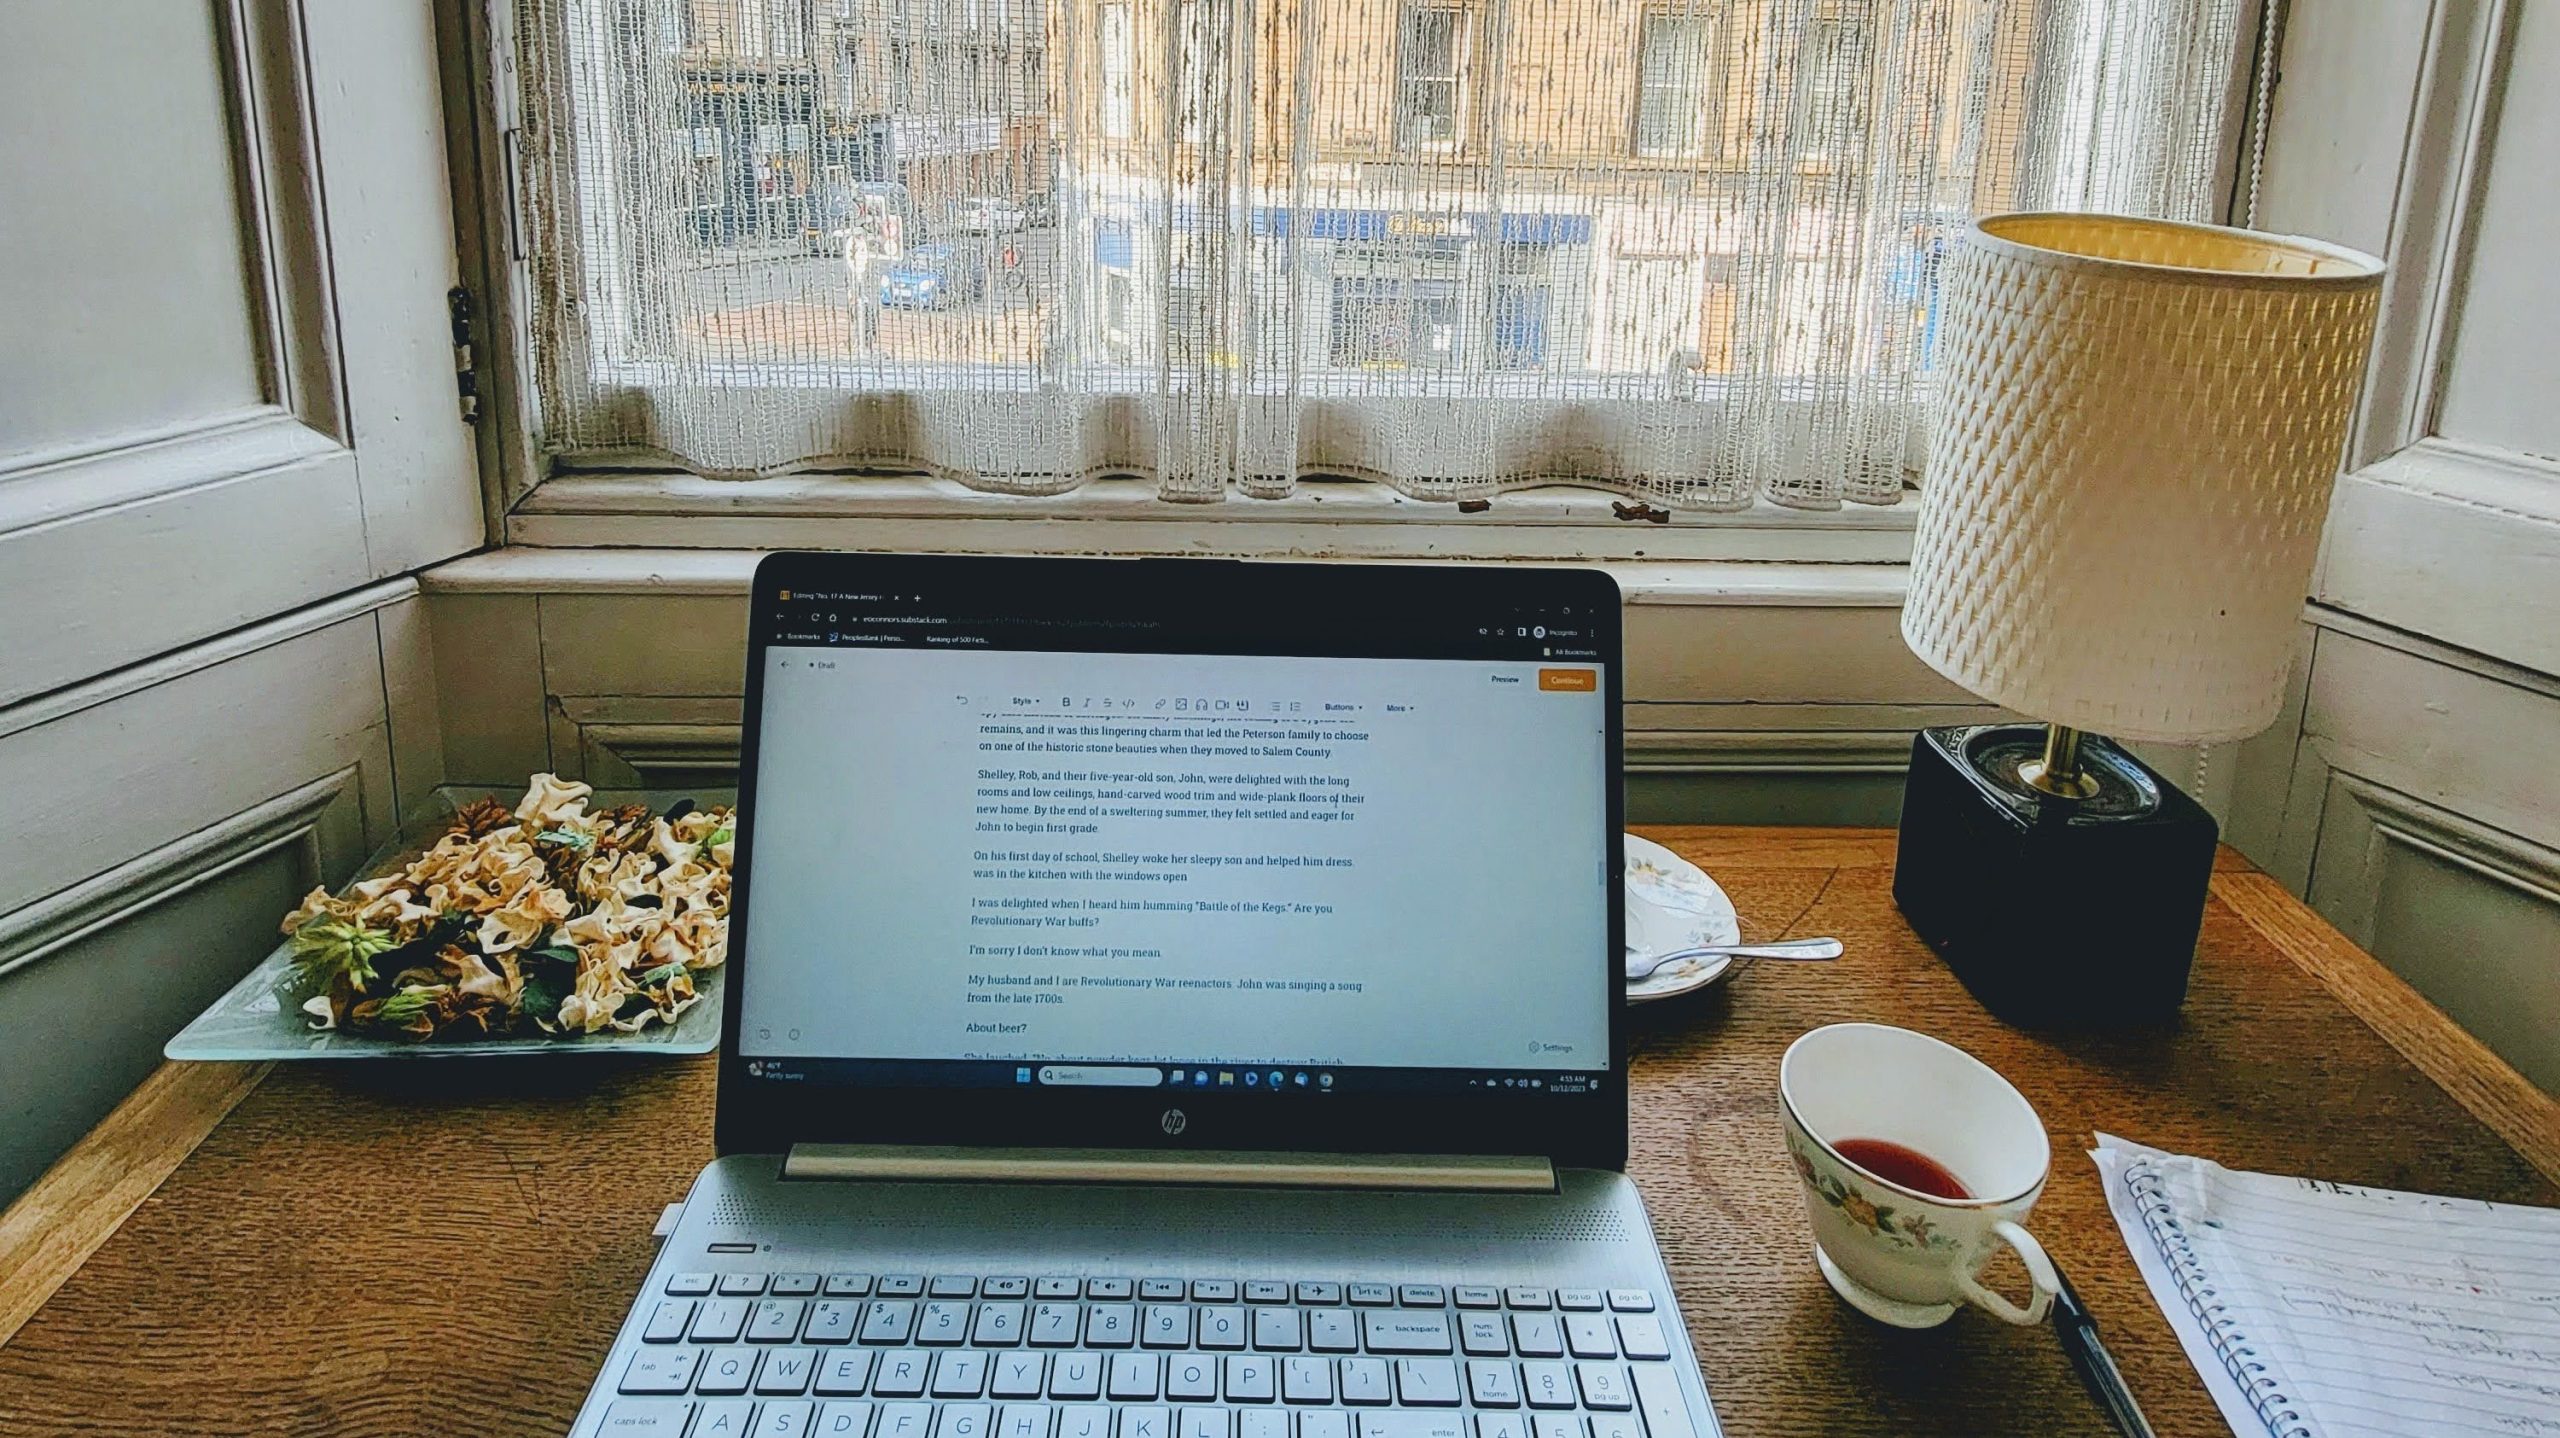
(549, 918)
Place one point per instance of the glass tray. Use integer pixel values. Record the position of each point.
(254, 1023)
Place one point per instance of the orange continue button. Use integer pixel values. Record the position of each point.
(1572, 681)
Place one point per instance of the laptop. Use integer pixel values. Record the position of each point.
(1168, 999)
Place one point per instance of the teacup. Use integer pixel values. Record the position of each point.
(1896, 1253)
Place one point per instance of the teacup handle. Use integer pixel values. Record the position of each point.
(2040, 1274)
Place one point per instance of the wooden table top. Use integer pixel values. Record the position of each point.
(448, 1248)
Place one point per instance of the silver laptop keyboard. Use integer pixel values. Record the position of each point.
(804, 1355)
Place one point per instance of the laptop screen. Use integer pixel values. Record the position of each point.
(1291, 854)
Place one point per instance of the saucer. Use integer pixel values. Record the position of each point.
(1875, 1305)
(1673, 905)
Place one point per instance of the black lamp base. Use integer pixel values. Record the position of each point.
(2078, 913)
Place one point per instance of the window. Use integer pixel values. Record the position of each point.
(717, 237)
(786, 29)
(1674, 104)
(1119, 73)
(1430, 54)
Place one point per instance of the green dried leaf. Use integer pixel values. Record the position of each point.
(325, 949)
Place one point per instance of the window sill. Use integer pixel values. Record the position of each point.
(675, 512)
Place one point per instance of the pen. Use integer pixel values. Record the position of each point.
(2079, 1334)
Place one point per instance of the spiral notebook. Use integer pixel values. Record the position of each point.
(2322, 1310)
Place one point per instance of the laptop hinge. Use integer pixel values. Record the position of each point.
(1477, 1173)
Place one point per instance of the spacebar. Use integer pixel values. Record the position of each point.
(1413, 1425)
(1666, 1410)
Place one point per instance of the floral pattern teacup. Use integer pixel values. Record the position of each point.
(1896, 1254)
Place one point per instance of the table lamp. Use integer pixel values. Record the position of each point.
(2136, 430)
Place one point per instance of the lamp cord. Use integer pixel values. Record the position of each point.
(2261, 109)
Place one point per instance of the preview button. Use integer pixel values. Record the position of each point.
(1571, 681)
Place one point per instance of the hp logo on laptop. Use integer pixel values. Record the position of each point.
(1174, 1121)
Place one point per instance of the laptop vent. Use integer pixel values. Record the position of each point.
(1587, 1226)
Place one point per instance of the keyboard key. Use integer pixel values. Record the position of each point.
(1076, 1375)
(1372, 1294)
(1200, 1423)
(1306, 1380)
(1641, 1335)
(888, 1320)
(1493, 1385)
(1262, 1423)
(1146, 1423)
(1266, 1290)
(781, 1420)
(1616, 1425)
(900, 1375)
(1469, 1296)
(725, 1371)
(1191, 1378)
(1547, 1385)
(1168, 1325)
(1111, 1325)
(1319, 1293)
(1501, 1425)
(1115, 1289)
(1421, 1295)
(1324, 1425)
(1630, 1300)
(1427, 1382)
(1604, 1385)
(1405, 1332)
(1084, 1420)
(960, 1373)
(720, 1320)
(1580, 1300)
(1658, 1397)
(794, 1285)
(1556, 1425)
(901, 1285)
(667, 1321)
(831, 1320)
(1053, 1325)
(999, 1325)
(1222, 1328)
(943, 1322)
(1213, 1290)
(659, 1370)
(1590, 1335)
(844, 1373)
(1528, 1298)
(786, 1372)
(1537, 1335)
(1483, 1335)
(963, 1420)
(904, 1420)
(1135, 1378)
(1024, 1420)
(777, 1320)
(844, 1420)
(689, 1285)
(1365, 1380)
(847, 1285)
(1057, 1288)
(1252, 1378)
(741, 1285)
(646, 1418)
(725, 1418)
(1019, 1375)
(952, 1285)
(1005, 1288)
(1161, 1290)
(1331, 1330)
(1278, 1330)
(1413, 1425)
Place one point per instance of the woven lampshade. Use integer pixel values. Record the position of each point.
(2137, 429)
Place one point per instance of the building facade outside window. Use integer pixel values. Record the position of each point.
(1675, 79)
(1430, 74)
(1119, 72)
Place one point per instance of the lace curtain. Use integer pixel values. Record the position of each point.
(1684, 249)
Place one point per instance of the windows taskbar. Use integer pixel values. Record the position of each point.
(1167, 1077)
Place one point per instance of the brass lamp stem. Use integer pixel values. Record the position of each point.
(2059, 773)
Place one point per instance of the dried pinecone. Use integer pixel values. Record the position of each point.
(481, 817)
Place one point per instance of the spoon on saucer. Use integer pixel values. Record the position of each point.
(1804, 949)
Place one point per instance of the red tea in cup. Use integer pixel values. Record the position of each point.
(1909, 1167)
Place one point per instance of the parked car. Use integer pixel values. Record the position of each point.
(933, 277)
(988, 215)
